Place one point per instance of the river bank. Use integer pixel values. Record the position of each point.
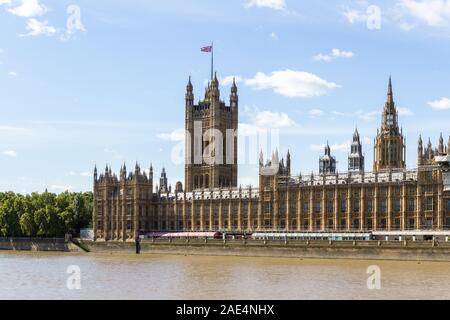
(38, 244)
(352, 250)
(360, 250)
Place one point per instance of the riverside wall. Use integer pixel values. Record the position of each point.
(364, 250)
(38, 244)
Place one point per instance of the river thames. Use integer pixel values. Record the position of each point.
(117, 276)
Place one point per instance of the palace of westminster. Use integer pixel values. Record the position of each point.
(390, 197)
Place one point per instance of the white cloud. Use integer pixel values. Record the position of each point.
(10, 153)
(271, 4)
(262, 121)
(340, 147)
(36, 28)
(12, 73)
(114, 153)
(314, 113)
(2, 2)
(269, 119)
(228, 80)
(175, 136)
(406, 26)
(434, 13)
(363, 115)
(442, 104)
(273, 36)
(80, 174)
(404, 111)
(29, 8)
(335, 53)
(291, 83)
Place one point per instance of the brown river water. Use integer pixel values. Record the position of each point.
(126, 276)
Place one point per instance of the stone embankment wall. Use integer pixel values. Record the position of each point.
(37, 244)
(367, 250)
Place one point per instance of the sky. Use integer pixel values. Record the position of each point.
(86, 83)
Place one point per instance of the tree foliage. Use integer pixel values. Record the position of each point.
(44, 214)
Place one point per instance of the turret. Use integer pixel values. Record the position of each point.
(356, 157)
(288, 163)
(95, 174)
(213, 90)
(441, 145)
(189, 94)
(234, 96)
(327, 163)
(163, 185)
(429, 150)
(420, 151)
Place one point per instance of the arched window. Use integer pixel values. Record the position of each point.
(196, 182)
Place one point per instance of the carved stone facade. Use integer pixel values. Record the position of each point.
(390, 198)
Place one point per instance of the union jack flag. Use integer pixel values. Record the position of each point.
(207, 49)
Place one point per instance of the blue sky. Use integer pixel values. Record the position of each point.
(111, 87)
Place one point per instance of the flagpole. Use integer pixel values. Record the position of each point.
(212, 60)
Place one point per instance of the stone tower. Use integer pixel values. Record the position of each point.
(327, 163)
(389, 149)
(356, 157)
(211, 139)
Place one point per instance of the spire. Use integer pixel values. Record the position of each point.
(189, 87)
(356, 135)
(288, 163)
(189, 98)
(261, 158)
(441, 144)
(327, 149)
(233, 86)
(390, 94)
(390, 105)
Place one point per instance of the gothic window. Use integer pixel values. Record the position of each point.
(383, 206)
(369, 206)
(411, 204)
(343, 205)
(305, 207)
(330, 223)
(356, 205)
(397, 205)
(411, 223)
(318, 224)
(429, 204)
(396, 224)
(329, 207)
(317, 207)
